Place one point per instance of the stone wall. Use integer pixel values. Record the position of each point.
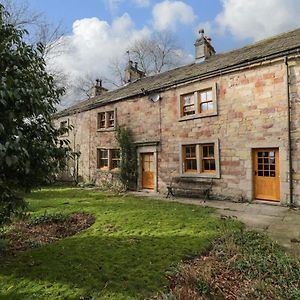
(252, 113)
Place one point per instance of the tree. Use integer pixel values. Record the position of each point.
(157, 53)
(154, 54)
(31, 152)
(40, 30)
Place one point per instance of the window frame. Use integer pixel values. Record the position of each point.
(109, 159)
(197, 102)
(99, 159)
(107, 126)
(67, 122)
(200, 172)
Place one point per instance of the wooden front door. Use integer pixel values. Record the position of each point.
(147, 160)
(266, 174)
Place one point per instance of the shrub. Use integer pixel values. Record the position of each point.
(3, 245)
(128, 165)
(49, 218)
(112, 184)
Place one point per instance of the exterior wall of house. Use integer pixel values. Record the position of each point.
(295, 99)
(252, 113)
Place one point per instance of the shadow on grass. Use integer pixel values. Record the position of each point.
(96, 266)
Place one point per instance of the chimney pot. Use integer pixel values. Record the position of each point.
(98, 89)
(203, 47)
(132, 72)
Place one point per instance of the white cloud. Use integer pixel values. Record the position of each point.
(168, 14)
(94, 43)
(258, 19)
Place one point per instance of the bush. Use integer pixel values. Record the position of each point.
(128, 165)
(258, 257)
(49, 218)
(112, 185)
(3, 245)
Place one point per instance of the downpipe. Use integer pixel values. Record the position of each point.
(291, 187)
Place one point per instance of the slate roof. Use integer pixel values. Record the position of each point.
(272, 47)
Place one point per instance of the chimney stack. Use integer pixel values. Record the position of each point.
(98, 89)
(132, 72)
(203, 47)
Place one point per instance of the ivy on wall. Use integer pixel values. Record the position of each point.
(128, 164)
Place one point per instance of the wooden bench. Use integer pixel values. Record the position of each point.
(190, 187)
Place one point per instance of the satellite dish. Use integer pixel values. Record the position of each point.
(154, 97)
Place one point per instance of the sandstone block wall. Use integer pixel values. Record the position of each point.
(252, 113)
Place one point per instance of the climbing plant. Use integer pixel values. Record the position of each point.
(128, 164)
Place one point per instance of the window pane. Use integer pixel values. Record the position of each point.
(101, 120)
(212, 164)
(191, 165)
(104, 153)
(115, 153)
(190, 151)
(208, 150)
(210, 105)
(188, 107)
(203, 96)
(188, 99)
(111, 118)
(204, 107)
(115, 164)
(209, 95)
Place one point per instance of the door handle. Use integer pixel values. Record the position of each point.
(255, 172)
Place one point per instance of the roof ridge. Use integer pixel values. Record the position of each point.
(267, 47)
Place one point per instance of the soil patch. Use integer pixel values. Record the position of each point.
(243, 265)
(25, 235)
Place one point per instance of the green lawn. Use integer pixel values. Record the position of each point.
(124, 255)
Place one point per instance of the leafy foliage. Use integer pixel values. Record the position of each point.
(3, 244)
(240, 265)
(128, 166)
(31, 152)
(262, 258)
(46, 218)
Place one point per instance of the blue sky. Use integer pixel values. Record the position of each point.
(99, 31)
(69, 11)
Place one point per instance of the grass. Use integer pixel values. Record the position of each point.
(124, 255)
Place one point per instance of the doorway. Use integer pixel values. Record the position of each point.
(147, 163)
(266, 174)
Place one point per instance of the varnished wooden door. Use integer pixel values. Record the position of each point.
(266, 174)
(147, 160)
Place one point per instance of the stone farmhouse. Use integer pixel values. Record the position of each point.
(232, 117)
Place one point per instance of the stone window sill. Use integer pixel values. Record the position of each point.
(200, 175)
(113, 171)
(198, 116)
(106, 129)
